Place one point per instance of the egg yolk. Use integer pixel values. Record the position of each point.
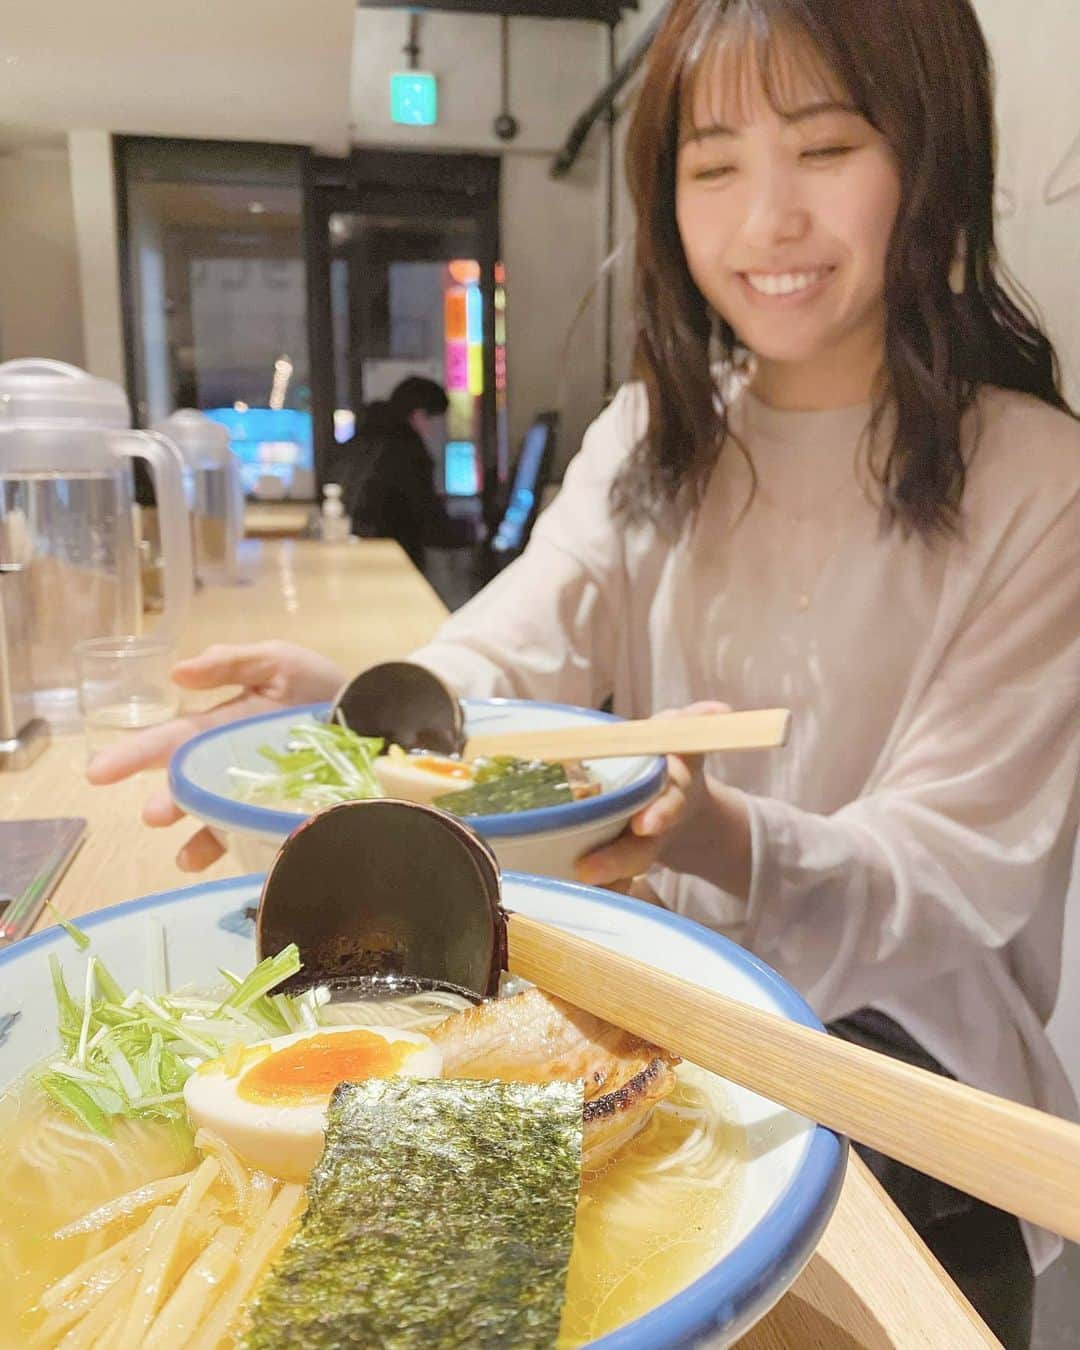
(310, 1069)
(447, 768)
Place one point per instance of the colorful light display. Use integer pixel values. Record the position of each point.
(463, 321)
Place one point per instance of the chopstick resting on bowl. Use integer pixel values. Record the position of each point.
(760, 729)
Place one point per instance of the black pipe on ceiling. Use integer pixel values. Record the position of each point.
(595, 11)
(604, 102)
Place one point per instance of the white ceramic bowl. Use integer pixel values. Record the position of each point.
(547, 841)
(792, 1170)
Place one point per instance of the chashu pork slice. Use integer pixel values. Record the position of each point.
(533, 1037)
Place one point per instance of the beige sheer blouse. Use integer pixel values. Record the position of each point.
(912, 845)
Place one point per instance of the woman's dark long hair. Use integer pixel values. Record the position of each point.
(919, 71)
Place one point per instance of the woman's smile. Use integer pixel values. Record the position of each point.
(793, 286)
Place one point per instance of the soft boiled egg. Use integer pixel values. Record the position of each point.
(268, 1100)
(422, 777)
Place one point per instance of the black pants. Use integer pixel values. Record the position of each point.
(981, 1247)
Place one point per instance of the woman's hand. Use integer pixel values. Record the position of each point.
(272, 675)
(689, 804)
(641, 843)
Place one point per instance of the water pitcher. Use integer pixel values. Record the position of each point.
(67, 517)
(215, 492)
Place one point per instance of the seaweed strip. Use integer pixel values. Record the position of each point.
(507, 784)
(440, 1215)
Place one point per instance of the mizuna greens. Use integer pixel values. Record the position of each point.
(324, 763)
(128, 1054)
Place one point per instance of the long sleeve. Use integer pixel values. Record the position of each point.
(969, 820)
(545, 628)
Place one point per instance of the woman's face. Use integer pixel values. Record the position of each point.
(785, 218)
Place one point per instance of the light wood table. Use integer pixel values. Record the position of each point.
(276, 520)
(871, 1284)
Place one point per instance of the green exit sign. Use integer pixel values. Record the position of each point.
(414, 98)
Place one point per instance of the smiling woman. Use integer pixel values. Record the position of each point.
(847, 169)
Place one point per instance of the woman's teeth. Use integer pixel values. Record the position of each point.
(784, 283)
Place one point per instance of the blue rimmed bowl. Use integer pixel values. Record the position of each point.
(790, 1170)
(547, 841)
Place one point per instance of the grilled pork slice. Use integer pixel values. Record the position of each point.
(582, 784)
(536, 1038)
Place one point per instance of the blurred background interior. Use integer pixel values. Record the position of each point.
(274, 219)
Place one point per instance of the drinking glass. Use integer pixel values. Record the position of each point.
(124, 687)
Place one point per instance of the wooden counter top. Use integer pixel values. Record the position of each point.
(871, 1284)
(276, 520)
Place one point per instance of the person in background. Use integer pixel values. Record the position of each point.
(387, 472)
(844, 480)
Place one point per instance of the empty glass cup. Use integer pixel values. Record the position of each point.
(124, 687)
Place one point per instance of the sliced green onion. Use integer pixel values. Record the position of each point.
(88, 1009)
(130, 1053)
(69, 1014)
(110, 990)
(82, 1103)
(159, 966)
(76, 934)
(265, 977)
(323, 763)
(124, 1072)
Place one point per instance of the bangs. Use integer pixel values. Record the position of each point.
(746, 48)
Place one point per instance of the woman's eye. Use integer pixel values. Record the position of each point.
(825, 152)
(712, 173)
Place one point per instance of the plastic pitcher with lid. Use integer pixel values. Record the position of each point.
(66, 515)
(215, 492)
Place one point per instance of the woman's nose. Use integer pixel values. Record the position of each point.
(775, 210)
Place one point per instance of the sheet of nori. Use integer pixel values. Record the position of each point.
(440, 1215)
(510, 785)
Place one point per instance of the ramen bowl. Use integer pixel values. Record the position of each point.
(786, 1172)
(546, 841)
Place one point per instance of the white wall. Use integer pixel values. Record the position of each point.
(93, 195)
(552, 232)
(40, 311)
(1036, 52)
(269, 70)
(635, 19)
(552, 244)
(1065, 1024)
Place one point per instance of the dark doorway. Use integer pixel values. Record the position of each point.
(405, 278)
(215, 297)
